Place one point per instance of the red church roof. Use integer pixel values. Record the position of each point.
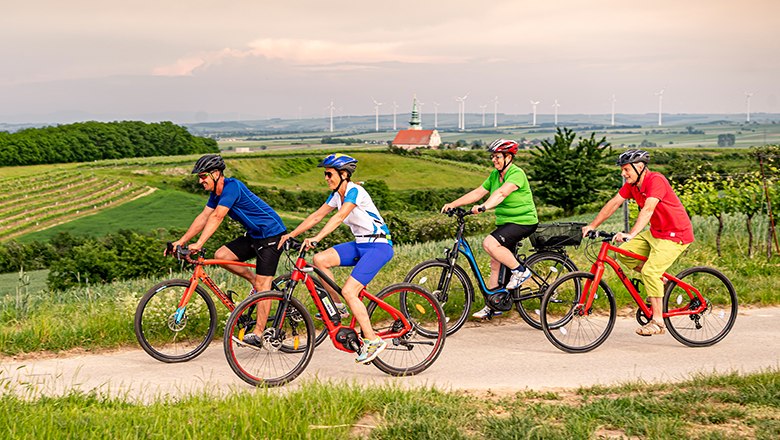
(413, 137)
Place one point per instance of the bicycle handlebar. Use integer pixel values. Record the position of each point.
(458, 212)
(608, 236)
(181, 252)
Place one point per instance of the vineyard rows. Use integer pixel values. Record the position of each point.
(58, 197)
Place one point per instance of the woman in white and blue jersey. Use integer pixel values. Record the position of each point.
(371, 249)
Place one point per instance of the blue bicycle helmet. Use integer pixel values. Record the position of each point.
(339, 162)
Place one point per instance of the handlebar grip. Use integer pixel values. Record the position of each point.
(481, 208)
(292, 244)
(169, 248)
(313, 244)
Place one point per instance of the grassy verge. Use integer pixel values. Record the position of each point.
(706, 407)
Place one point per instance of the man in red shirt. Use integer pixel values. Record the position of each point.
(670, 230)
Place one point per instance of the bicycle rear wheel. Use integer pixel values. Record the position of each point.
(547, 267)
(303, 295)
(455, 300)
(566, 323)
(169, 335)
(416, 350)
(271, 364)
(715, 322)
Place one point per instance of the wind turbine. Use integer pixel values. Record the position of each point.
(747, 101)
(331, 107)
(613, 109)
(462, 112)
(495, 111)
(395, 107)
(660, 96)
(376, 109)
(555, 106)
(483, 107)
(534, 104)
(435, 115)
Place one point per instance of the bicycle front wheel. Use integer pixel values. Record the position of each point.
(171, 335)
(566, 321)
(273, 363)
(416, 350)
(455, 300)
(715, 321)
(547, 268)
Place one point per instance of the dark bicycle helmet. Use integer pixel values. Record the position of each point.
(209, 162)
(503, 146)
(633, 156)
(339, 162)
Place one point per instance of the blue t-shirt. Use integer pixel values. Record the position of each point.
(259, 219)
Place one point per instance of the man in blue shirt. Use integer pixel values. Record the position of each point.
(263, 225)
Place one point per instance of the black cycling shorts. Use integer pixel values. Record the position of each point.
(509, 234)
(265, 249)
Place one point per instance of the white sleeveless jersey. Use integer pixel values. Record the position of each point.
(364, 221)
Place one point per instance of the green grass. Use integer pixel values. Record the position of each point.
(35, 281)
(161, 209)
(704, 407)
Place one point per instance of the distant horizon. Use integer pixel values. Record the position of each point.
(178, 118)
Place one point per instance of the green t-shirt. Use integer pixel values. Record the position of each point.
(518, 207)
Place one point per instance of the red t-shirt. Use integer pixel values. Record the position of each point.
(669, 220)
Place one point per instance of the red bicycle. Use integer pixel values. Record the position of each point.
(175, 321)
(404, 314)
(578, 310)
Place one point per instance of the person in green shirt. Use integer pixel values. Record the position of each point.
(516, 219)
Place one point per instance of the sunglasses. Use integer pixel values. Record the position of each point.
(328, 174)
(496, 156)
(202, 176)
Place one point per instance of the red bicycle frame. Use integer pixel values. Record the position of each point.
(300, 273)
(599, 266)
(199, 274)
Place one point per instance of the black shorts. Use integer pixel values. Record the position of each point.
(265, 249)
(509, 234)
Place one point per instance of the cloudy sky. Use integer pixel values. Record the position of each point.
(207, 60)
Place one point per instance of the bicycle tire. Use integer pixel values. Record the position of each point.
(574, 331)
(413, 352)
(304, 296)
(716, 321)
(270, 365)
(545, 274)
(428, 275)
(160, 336)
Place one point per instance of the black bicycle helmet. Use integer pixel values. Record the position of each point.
(633, 156)
(209, 162)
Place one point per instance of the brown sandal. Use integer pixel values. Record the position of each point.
(651, 328)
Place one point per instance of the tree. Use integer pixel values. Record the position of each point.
(568, 176)
(726, 140)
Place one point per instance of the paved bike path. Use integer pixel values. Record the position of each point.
(498, 356)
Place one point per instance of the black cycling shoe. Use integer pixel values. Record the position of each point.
(253, 340)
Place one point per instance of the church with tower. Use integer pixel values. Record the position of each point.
(415, 136)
